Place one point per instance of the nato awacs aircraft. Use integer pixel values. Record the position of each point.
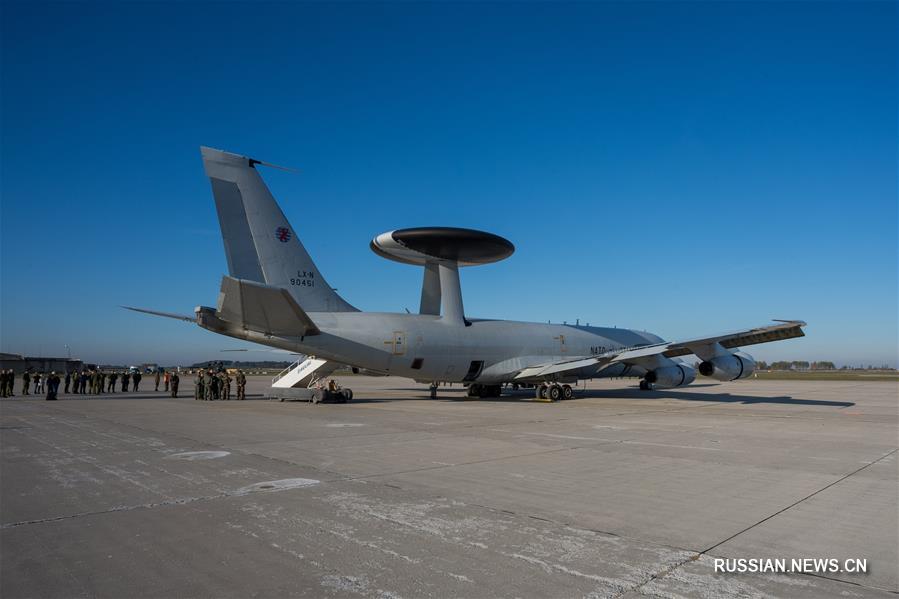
(275, 295)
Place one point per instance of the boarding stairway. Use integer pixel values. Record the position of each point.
(304, 373)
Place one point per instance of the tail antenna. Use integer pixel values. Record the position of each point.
(254, 162)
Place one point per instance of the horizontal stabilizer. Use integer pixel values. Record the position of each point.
(263, 308)
(183, 317)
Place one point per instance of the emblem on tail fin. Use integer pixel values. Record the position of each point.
(282, 234)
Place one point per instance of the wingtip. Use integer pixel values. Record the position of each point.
(799, 323)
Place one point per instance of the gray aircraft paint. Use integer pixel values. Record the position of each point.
(275, 288)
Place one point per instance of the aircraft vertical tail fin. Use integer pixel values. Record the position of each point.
(260, 244)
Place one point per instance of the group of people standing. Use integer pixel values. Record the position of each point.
(48, 383)
(211, 385)
(95, 381)
(170, 379)
(85, 382)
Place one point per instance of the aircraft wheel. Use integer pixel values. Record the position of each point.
(554, 392)
(540, 391)
(474, 390)
(567, 392)
(348, 393)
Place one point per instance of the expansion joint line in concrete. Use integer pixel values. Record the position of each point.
(660, 574)
(795, 503)
(696, 556)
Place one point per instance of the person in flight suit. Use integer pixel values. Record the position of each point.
(174, 379)
(226, 385)
(241, 384)
(156, 378)
(210, 385)
(26, 382)
(200, 386)
(113, 377)
(126, 377)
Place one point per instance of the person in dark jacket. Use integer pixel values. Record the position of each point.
(52, 386)
(126, 378)
(173, 383)
(26, 382)
(136, 377)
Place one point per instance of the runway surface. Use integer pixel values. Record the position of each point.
(619, 493)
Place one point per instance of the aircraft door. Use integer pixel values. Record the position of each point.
(399, 343)
(397, 347)
(560, 345)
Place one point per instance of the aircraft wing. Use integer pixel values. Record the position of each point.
(785, 329)
(263, 308)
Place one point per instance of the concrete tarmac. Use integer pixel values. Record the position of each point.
(619, 493)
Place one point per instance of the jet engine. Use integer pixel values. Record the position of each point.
(671, 376)
(728, 367)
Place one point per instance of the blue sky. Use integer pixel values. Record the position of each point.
(684, 168)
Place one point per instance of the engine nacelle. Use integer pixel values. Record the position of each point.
(671, 376)
(728, 368)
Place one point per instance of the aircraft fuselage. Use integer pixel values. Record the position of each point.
(427, 348)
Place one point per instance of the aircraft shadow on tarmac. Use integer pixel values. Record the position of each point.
(630, 393)
(744, 399)
(458, 395)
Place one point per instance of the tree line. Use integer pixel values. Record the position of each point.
(795, 365)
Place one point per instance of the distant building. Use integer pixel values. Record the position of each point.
(21, 363)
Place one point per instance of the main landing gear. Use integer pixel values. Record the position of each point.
(645, 385)
(553, 392)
